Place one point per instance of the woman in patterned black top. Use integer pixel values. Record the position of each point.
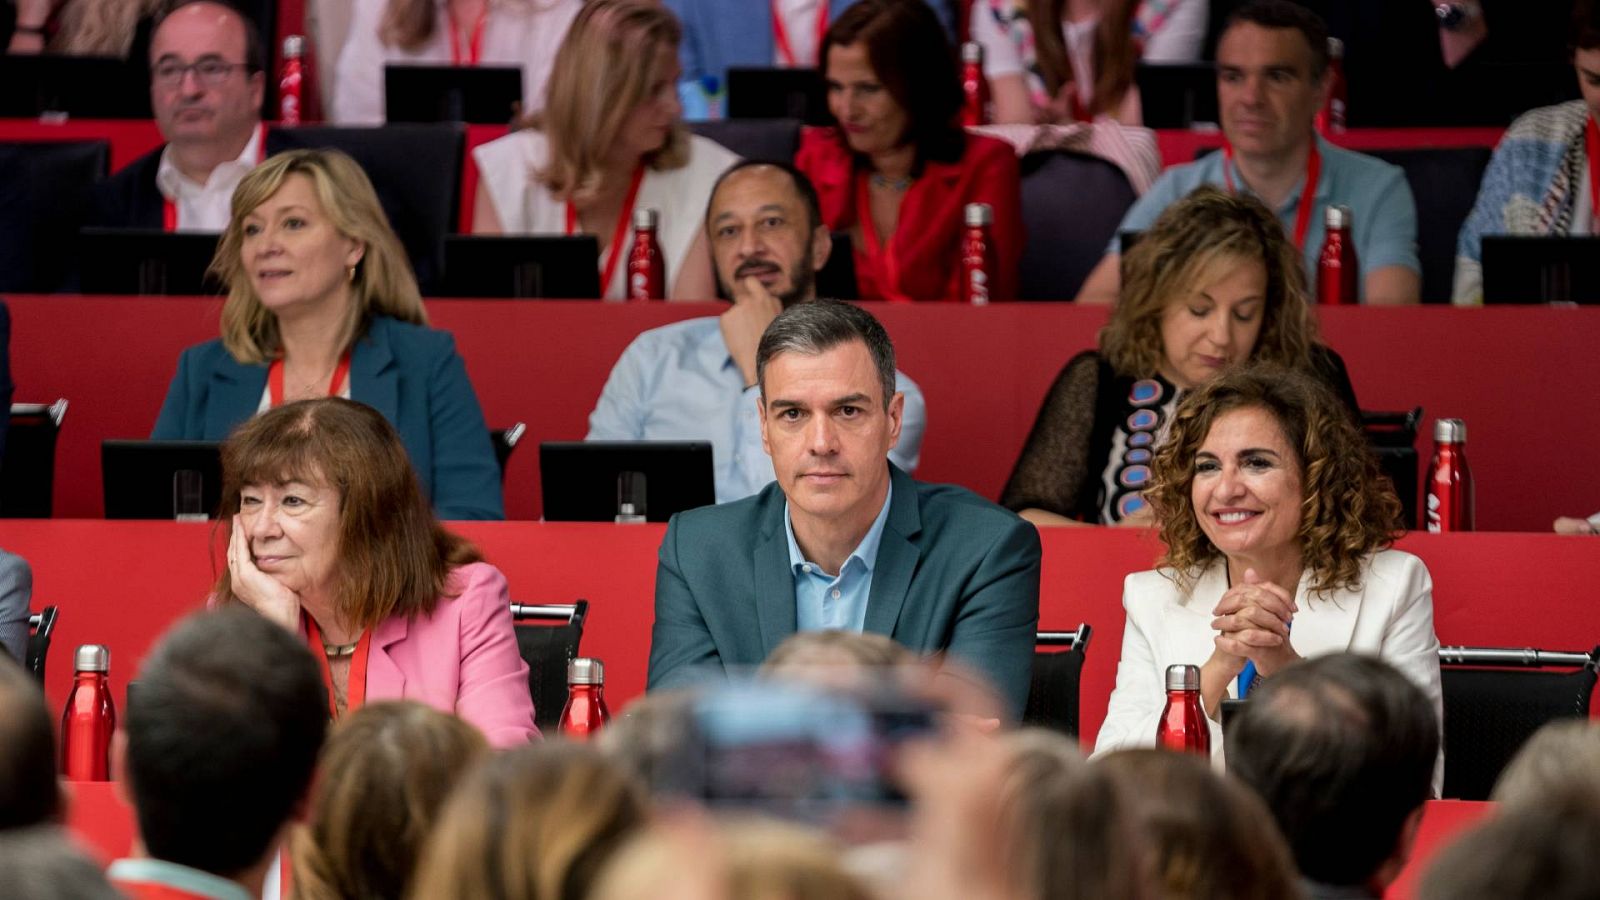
(1213, 283)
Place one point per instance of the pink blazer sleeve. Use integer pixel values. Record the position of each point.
(493, 689)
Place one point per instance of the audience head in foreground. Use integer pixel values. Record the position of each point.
(535, 823)
(1343, 750)
(1206, 835)
(382, 778)
(43, 862)
(333, 540)
(1277, 525)
(1524, 852)
(29, 792)
(933, 567)
(225, 727)
(1561, 759)
(1212, 285)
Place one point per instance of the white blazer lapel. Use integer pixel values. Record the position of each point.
(1326, 622)
(1187, 632)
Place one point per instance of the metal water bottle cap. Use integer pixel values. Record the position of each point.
(294, 46)
(645, 219)
(1335, 48)
(92, 658)
(971, 52)
(979, 214)
(1450, 431)
(1183, 678)
(1337, 217)
(584, 670)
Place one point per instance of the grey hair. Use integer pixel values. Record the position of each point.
(817, 326)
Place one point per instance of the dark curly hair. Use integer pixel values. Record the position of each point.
(1349, 509)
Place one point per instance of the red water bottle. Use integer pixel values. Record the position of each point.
(289, 85)
(1449, 484)
(1337, 268)
(1331, 118)
(977, 254)
(585, 713)
(1183, 723)
(647, 271)
(972, 84)
(89, 719)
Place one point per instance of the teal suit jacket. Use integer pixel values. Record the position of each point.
(410, 373)
(954, 573)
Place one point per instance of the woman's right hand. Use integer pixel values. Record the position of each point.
(255, 588)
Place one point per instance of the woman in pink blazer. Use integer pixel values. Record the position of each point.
(333, 538)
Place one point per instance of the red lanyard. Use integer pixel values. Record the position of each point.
(879, 252)
(473, 52)
(1591, 148)
(780, 34)
(275, 379)
(355, 692)
(618, 235)
(1308, 191)
(169, 210)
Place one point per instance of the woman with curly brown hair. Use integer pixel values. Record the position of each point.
(1214, 283)
(1277, 524)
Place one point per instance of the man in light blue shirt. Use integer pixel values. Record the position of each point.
(696, 379)
(1272, 78)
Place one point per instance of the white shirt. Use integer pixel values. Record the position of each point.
(507, 168)
(523, 33)
(800, 27)
(206, 207)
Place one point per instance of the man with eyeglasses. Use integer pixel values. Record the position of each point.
(206, 84)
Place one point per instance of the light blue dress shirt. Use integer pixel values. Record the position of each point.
(823, 601)
(678, 383)
(1377, 193)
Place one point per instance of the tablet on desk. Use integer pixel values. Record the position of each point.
(481, 95)
(80, 87)
(142, 478)
(582, 480)
(769, 93)
(1541, 269)
(146, 261)
(1177, 95)
(563, 267)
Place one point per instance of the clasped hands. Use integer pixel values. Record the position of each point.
(255, 588)
(1252, 624)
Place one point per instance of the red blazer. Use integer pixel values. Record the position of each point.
(921, 261)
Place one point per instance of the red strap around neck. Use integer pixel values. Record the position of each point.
(275, 379)
(780, 34)
(355, 692)
(1308, 190)
(472, 53)
(1591, 147)
(619, 234)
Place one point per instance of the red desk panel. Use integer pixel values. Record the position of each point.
(1442, 822)
(983, 370)
(122, 583)
(129, 138)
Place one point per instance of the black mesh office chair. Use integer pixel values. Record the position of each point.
(1072, 204)
(28, 471)
(1053, 691)
(548, 635)
(416, 170)
(1444, 185)
(505, 440)
(1393, 439)
(43, 199)
(769, 139)
(1495, 699)
(41, 626)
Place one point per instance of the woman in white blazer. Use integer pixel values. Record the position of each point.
(1277, 525)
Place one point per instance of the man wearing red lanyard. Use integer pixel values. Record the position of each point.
(206, 86)
(216, 756)
(724, 34)
(1272, 75)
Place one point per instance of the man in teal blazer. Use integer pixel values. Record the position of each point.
(843, 539)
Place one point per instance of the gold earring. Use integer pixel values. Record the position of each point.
(352, 274)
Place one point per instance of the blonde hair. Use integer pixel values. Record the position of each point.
(534, 823)
(102, 27)
(383, 283)
(1189, 243)
(604, 69)
(757, 859)
(1349, 509)
(383, 775)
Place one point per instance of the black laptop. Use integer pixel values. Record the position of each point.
(147, 261)
(141, 478)
(562, 267)
(1177, 95)
(778, 94)
(83, 87)
(1525, 269)
(581, 480)
(482, 95)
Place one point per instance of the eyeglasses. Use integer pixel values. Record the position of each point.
(208, 72)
